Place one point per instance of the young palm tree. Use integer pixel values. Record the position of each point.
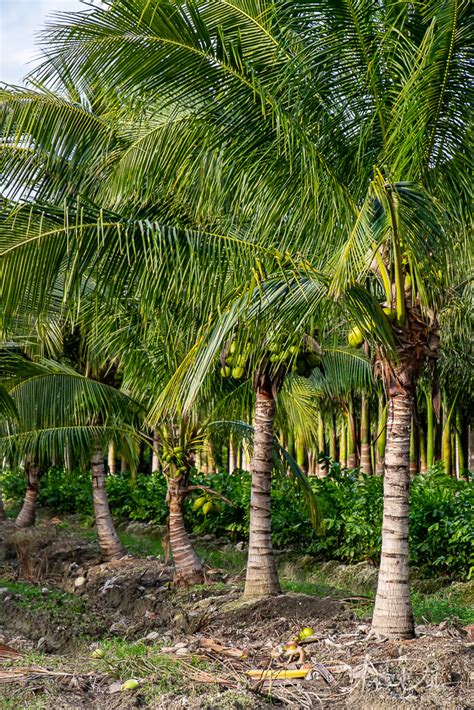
(56, 405)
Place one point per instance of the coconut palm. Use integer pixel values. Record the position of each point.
(56, 405)
(326, 124)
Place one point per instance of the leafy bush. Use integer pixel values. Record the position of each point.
(351, 505)
(144, 500)
(66, 491)
(226, 520)
(441, 524)
(13, 486)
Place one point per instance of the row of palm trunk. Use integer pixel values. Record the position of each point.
(392, 616)
(356, 437)
(110, 546)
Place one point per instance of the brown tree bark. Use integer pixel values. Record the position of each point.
(27, 516)
(188, 568)
(262, 578)
(109, 543)
(393, 616)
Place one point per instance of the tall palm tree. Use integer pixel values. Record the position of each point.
(315, 120)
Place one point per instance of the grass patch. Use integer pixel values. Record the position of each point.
(141, 545)
(431, 608)
(231, 561)
(157, 672)
(318, 589)
(54, 601)
(449, 603)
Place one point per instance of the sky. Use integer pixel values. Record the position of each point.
(20, 21)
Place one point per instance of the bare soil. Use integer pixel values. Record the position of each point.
(203, 630)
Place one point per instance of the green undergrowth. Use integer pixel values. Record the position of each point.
(350, 505)
(454, 603)
(56, 603)
(156, 672)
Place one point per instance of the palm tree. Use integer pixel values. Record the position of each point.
(297, 100)
(55, 404)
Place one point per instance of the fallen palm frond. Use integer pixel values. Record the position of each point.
(9, 652)
(14, 675)
(210, 678)
(216, 647)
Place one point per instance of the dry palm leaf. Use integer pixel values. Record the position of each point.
(216, 647)
(12, 675)
(8, 652)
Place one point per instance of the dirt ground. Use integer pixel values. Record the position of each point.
(194, 648)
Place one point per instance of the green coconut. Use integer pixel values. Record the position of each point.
(355, 337)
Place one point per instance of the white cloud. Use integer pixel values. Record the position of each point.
(20, 22)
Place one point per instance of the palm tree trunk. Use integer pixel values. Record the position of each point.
(393, 616)
(430, 428)
(300, 452)
(27, 515)
(351, 438)
(68, 457)
(211, 466)
(343, 444)
(381, 436)
(110, 546)
(155, 459)
(461, 439)
(446, 443)
(322, 468)
(333, 439)
(262, 578)
(365, 458)
(188, 569)
(232, 457)
(470, 447)
(111, 459)
(423, 465)
(3, 516)
(413, 456)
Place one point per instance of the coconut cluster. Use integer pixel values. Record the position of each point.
(357, 335)
(175, 456)
(294, 358)
(206, 504)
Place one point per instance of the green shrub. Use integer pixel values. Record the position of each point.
(13, 487)
(225, 520)
(145, 500)
(442, 525)
(351, 505)
(441, 518)
(66, 491)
